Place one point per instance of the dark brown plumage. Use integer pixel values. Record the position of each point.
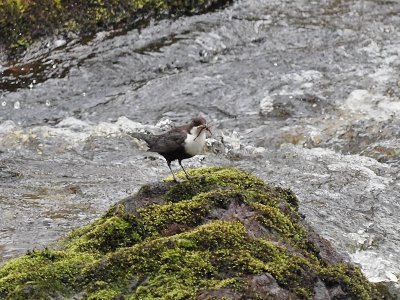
(179, 143)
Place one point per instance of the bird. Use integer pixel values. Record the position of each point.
(179, 143)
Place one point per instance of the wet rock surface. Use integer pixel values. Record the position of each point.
(303, 94)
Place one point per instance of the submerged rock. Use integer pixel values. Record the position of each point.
(223, 234)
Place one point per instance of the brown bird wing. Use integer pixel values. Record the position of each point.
(168, 142)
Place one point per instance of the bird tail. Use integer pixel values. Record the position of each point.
(148, 138)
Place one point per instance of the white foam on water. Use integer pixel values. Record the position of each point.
(376, 267)
(370, 105)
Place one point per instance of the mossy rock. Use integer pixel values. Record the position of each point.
(224, 234)
(23, 21)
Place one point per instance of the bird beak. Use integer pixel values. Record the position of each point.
(208, 129)
(202, 127)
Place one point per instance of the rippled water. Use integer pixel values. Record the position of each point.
(303, 93)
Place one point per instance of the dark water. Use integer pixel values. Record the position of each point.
(306, 94)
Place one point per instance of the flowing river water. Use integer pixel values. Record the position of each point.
(305, 94)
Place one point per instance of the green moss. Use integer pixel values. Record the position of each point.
(23, 21)
(178, 249)
(105, 294)
(41, 274)
(224, 176)
(106, 234)
(352, 277)
(155, 218)
(184, 264)
(273, 218)
(207, 179)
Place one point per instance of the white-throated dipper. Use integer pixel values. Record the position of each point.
(179, 143)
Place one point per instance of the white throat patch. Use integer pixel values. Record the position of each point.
(193, 145)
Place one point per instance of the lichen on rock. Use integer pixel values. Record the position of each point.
(223, 234)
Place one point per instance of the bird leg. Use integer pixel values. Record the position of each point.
(187, 175)
(173, 175)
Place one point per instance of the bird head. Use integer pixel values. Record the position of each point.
(200, 124)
